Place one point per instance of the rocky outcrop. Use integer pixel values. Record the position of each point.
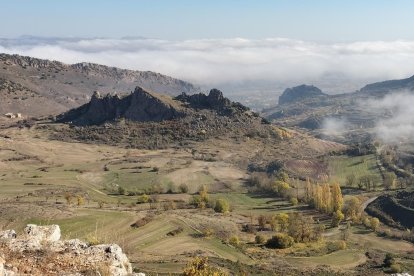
(141, 106)
(298, 93)
(213, 101)
(39, 251)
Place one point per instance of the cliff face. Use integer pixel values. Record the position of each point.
(144, 106)
(141, 106)
(39, 251)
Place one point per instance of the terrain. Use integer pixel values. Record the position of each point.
(174, 178)
(36, 87)
(342, 117)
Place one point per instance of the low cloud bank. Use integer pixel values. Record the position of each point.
(216, 61)
(398, 122)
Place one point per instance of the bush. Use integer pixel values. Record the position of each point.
(294, 201)
(222, 206)
(183, 188)
(234, 240)
(280, 241)
(259, 239)
(395, 268)
(143, 199)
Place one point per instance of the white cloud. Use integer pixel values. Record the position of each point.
(397, 124)
(215, 61)
(334, 126)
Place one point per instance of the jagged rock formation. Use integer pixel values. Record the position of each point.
(213, 101)
(298, 93)
(144, 106)
(141, 106)
(39, 251)
(38, 87)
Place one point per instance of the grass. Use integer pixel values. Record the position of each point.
(342, 258)
(341, 166)
(250, 203)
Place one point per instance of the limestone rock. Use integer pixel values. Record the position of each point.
(77, 254)
(8, 234)
(43, 233)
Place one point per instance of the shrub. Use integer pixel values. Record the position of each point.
(234, 240)
(222, 206)
(395, 268)
(143, 199)
(121, 190)
(294, 201)
(280, 241)
(259, 239)
(183, 188)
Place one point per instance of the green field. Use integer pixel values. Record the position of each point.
(340, 167)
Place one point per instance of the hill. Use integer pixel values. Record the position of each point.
(350, 114)
(299, 93)
(37, 87)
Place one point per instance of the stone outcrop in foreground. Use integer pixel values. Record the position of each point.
(39, 251)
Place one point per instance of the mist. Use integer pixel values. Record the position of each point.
(334, 126)
(216, 61)
(397, 123)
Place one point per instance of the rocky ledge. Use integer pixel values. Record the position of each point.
(39, 251)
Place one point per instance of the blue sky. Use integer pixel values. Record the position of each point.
(315, 20)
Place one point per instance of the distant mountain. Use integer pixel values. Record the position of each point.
(37, 87)
(307, 107)
(388, 86)
(299, 93)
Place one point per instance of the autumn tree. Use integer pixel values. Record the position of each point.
(390, 180)
(374, 223)
(283, 221)
(352, 208)
(337, 199)
(337, 217)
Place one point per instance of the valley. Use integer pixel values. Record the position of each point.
(154, 187)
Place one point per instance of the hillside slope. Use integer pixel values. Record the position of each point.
(37, 87)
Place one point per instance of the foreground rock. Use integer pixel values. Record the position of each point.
(39, 251)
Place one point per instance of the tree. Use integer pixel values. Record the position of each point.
(301, 228)
(352, 208)
(337, 217)
(390, 180)
(337, 199)
(374, 224)
(221, 206)
(262, 221)
(68, 198)
(346, 232)
(283, 221)
(280, 240)
(327, 200)
(79, 200)
(281, 188)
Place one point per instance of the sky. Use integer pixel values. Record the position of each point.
(340, 45)
(314, 20)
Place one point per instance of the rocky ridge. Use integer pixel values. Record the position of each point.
(39, 251)
(38, 87)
